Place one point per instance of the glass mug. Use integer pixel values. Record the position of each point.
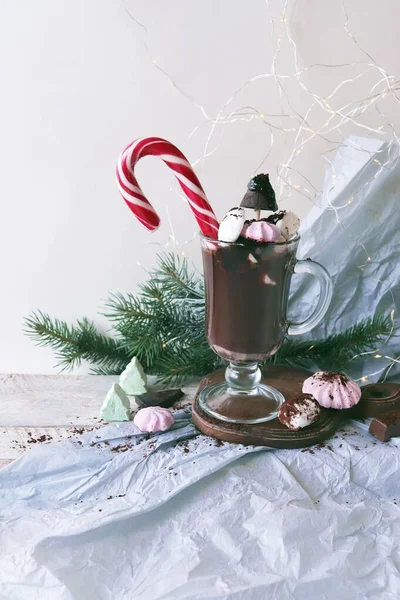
(247, 292)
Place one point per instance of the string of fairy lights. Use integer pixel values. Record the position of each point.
(341, 119)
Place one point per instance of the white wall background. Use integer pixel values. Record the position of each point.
(79, 83)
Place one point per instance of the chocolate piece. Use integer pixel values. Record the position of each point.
(163, 398)
(387, 426)
(274, 218)
(299, 412)
(260, 194)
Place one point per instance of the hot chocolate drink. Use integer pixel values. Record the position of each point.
(247, 286)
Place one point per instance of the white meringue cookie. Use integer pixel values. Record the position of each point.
(154, 418)
(261, 231)
(332, 389)
(231, 225)
(289, 225)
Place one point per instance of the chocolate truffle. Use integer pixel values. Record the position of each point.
(299, 412)
(260, 194)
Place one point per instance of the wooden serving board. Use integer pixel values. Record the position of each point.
(376, 399)
(289, 382)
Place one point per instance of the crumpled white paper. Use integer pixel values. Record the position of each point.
(180, 517)
(357, 218)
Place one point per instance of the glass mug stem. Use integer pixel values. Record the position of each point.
(243, 378)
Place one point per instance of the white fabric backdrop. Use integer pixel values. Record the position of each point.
(343, 239)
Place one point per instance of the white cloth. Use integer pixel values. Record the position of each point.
(354, 231)
(170, 519)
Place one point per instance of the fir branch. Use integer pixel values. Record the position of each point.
(172, 273)
(72, 344)
(337, 349)
(122, 307)
(178, 364)
(104, 371)
(169, 308)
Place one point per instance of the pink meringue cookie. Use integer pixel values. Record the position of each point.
(332, 389)
(261, 231)
(154, 418)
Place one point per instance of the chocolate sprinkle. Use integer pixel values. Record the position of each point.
(332, 376)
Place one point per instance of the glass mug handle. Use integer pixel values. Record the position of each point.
(325, 296)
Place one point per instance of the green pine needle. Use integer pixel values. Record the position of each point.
(173, 275)
(72, 344)
(340, 348)
(177, 364)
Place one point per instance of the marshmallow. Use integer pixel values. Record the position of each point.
(268, 281)
(289, 225)
(252, 259)
(231, 225)
(154, 418)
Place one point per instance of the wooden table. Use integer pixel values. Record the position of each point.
(49, 408)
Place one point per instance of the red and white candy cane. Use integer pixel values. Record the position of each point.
(177, 162)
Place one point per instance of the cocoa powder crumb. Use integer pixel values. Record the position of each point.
(121, 448)
(332, 376)
(77, 430)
